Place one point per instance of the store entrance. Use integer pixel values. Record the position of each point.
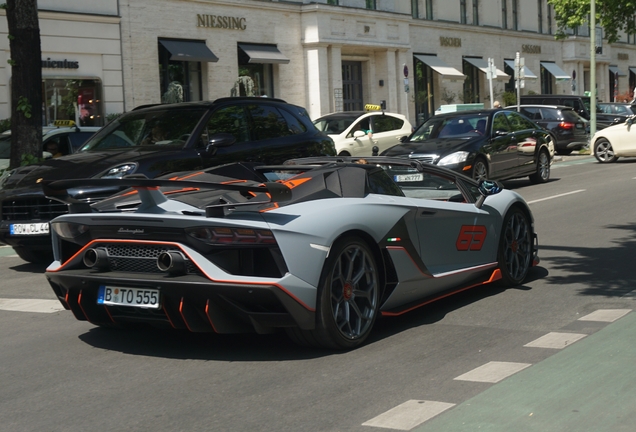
(79, 100)
(352, 85)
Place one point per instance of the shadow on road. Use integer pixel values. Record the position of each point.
(608, 272)
(26, 267)
(274, 347)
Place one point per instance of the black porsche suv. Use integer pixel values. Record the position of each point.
(153, 141)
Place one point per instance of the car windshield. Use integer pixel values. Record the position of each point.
(469, 125)
(155, 129)
(335, 124)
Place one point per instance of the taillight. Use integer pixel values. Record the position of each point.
(566, 125)
(231, 236)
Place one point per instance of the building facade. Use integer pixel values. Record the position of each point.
(81, 61)
(325, 55)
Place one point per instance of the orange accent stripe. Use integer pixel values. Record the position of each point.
(234, 181)
(189, 176)
(207, 308)
(182, 316)
(109, 315)
(165, 311)
(146, 187)
(292, 183)
(495, 276)
(188, 189)
(79, 303)
(154, 242)
(273, 207)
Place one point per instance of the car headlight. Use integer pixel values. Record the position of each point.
(68, 230)
(120, 170)
(454, 158)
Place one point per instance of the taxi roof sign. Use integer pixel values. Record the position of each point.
(59, 123)
(371, 107)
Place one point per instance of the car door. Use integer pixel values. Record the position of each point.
(526, 138)
(362, 145)
(452, 235)
(386, 131)
(623, 138)
(503, 147)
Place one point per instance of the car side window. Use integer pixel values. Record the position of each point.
(549, 114)
(79, 138)
(267, 122)
(362, 125)
(295, 125)
(385, 123)
(518, 123)
(531, 112)
(230, 119)
(620, 109)
(500, 123)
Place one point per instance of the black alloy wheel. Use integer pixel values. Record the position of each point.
(348, 298)
(542, 175)
(515, 248)
(480, 169)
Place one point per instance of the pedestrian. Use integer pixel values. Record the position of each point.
(496, 104)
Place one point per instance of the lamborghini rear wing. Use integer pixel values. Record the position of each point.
(149, 192)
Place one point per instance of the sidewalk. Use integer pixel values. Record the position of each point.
(589, 386)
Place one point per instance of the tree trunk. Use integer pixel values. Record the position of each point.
(26, 81)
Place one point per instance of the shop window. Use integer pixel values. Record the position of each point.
(180, 81)
(79, 100)
(424, 91)
(255, 79)
(471, 83)
(463, 18)
(371, 4)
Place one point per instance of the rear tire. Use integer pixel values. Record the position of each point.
(348, 297)
(542, 175)
(604, 152)
(515, 248)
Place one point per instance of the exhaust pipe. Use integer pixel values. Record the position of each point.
(172, 262)
(96, 258)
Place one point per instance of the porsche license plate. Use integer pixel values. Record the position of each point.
(41, 228)
(124, 296)
(408, 177)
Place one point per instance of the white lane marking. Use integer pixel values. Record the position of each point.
(555, 340)
(493, 372)
(409, 414)
(606, 315)
(31, 305)
(556, 196)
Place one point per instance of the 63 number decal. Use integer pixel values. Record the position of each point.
(471, 237)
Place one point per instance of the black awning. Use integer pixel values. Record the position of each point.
(261, 53)
(194, 51)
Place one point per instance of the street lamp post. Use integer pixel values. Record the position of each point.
(592, 70)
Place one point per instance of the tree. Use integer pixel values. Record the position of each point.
(26, 80)
(613, 15)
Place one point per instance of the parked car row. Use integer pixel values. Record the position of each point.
(157, 140)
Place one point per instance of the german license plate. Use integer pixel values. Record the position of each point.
(408, 177)
(124, 296)
(41, 228)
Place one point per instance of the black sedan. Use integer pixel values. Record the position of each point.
(153, 141)
(613, 113)
(483, 144)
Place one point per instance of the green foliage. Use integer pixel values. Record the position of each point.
(448, 96)
(3, 6)
(29, 159)
(5, 125)
(10, 37)
(112, 116)
(11, 62)
(613, 15)
(24, 106)
(509, 98)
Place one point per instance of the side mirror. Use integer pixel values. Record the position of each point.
(630, 120)
(501, 133)
(404, 139)
(218, 140)
(487, 188)
(359, 134)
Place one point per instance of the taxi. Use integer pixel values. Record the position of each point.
(355, 133)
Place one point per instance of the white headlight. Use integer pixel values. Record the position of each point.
(120, 171)
(454, 158)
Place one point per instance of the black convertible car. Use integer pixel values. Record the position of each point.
(484, 144)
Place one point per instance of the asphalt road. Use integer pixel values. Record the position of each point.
(548, 355)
